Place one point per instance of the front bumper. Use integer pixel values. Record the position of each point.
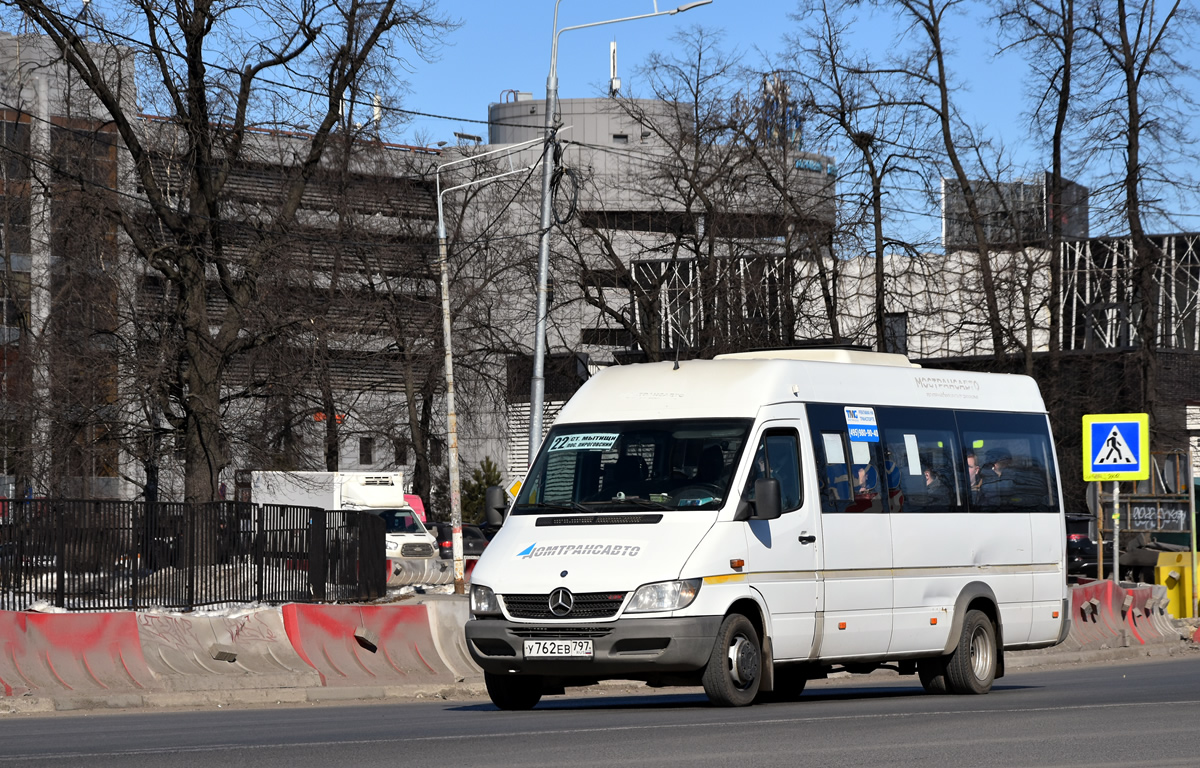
(626, 648)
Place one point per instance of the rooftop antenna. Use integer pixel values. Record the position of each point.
(614, 82)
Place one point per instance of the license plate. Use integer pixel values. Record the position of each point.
(558, 649)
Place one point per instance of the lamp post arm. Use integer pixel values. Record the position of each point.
(554, 46)
(475, 183)
(508, 148)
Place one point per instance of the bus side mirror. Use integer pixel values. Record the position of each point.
(767, 503)
(495, 504)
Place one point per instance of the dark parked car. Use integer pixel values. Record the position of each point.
(473, 539)
(1082, 549)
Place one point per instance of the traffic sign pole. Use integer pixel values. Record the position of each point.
(1116, 531)
(1099, 533)
(1192, 522)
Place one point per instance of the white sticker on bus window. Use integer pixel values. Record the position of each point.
(914, 454)
(860, 424)
(598, 441)
(860, 453)
(833, 448)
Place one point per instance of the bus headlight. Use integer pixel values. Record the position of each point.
(483, 600)
(664, 596)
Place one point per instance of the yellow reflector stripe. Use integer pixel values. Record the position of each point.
(727, 578)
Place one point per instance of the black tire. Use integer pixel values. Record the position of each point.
(734, 670)
(971, 668)
(513, 691)
(932, 673)
(789, 684)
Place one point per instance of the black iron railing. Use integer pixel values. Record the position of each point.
(89, 555)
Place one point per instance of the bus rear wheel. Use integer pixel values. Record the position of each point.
(971, 668)
(932, 673)
(789, 684)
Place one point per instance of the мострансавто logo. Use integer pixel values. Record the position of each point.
(580, 550)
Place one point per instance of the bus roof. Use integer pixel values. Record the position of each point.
(736, 386)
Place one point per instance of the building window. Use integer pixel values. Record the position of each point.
(435, 452)
(895, 332)
(400, 445)
(366, 450)
(620, 138)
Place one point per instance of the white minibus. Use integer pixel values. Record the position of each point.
(755, 521)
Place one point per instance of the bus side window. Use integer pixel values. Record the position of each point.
(1013, 462)
(921, 446)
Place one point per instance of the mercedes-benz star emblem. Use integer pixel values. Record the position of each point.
(561, 601)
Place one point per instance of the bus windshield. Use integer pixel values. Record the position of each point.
(681, 464)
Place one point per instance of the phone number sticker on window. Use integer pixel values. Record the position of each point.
(861, 424)
(600, 441)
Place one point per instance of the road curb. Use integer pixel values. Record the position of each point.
(212, 699)
(1032, 659)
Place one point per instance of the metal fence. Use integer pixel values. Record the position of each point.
(88, 555)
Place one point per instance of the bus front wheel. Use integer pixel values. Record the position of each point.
(513, 691)
(734, 670)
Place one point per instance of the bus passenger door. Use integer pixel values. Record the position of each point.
(856, 487)
(781, 554)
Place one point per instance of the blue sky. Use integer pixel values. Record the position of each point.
(506, 45)
(503, 45)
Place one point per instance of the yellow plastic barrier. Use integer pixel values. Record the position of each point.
(1174, 571)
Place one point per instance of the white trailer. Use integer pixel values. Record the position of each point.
(378, 492)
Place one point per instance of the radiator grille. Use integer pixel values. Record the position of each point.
(416, 550)
(587, 605)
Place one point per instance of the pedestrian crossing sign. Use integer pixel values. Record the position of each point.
(1116, 446)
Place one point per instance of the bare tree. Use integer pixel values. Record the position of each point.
(1048, 31)
(930, 69)
(681, 244)
(853, 104)
(1140, 122)
(211, 109)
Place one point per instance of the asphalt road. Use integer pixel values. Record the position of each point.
(1095, 716)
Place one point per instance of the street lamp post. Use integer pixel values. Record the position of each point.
(538, 383)
(451, 415)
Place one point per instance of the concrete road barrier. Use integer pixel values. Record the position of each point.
(1092, 622)
(71, 654)
(249, 650)
(432, 572)
(1133, 614)
(447, 615)
(1108, 615)
(366, 645)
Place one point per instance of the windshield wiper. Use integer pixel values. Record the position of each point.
(566, 506)
(637, 502)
